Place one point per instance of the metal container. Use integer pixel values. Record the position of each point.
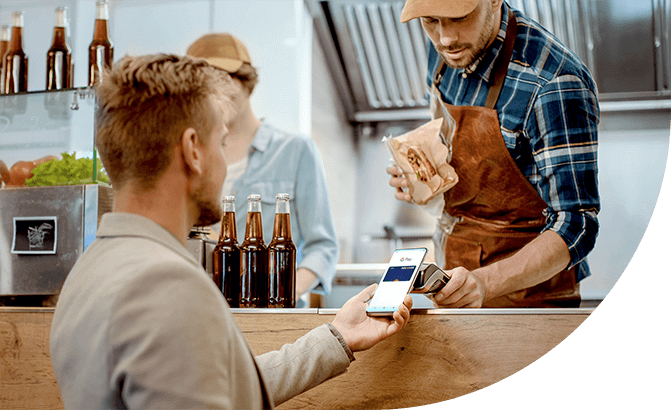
(43, 231)
(202, 247)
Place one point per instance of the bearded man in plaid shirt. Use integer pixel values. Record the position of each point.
(517, 227)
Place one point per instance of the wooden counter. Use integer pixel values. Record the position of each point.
(443, 353)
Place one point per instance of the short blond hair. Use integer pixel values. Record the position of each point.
(144, 105)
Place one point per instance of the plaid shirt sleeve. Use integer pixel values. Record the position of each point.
(562, 130)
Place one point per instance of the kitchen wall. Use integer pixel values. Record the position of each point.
(297, 93)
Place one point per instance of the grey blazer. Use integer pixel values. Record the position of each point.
(139, 324)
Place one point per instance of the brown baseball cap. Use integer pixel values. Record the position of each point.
(221, 50)
(437, 8)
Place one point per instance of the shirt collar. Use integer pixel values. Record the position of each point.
(484, 65)
(122, 224)
(262, 137)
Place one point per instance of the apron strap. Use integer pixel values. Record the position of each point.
(438, 76)
(500, 66)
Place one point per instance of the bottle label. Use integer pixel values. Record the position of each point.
(58, 70)
(97, 65)
(16, 74)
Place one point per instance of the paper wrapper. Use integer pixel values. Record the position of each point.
(423, 159)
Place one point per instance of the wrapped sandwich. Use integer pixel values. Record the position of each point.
(423, 158)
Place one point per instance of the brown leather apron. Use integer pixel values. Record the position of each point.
(496, 209)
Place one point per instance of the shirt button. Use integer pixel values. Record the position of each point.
(464, 75)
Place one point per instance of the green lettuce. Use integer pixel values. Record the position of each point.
(67, 171)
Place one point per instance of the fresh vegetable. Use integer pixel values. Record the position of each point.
(67, 171)
(45, 159)
(20, 172)
(4, 173)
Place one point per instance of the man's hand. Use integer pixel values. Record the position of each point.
(399, 182)
(464, 289)
(536, 262)
(361, 331)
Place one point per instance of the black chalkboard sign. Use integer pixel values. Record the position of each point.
(35, 235)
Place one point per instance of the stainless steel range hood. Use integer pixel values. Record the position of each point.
(379, 64)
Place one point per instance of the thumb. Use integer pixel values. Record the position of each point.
(366, 294)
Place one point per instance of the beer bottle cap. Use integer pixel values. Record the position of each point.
(17, 19)
(283, 197)
(228, 198)
(102, 12)
(254, 197)
(61, 17)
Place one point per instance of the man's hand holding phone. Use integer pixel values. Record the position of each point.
(361, 331)
(397, 281)
(380, 311)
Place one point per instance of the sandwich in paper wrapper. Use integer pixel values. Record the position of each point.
(423, 158)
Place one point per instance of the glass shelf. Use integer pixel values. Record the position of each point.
(38, 124)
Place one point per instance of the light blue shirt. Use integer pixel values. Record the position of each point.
(284, 163)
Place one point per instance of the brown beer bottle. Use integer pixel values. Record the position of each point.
(226, 262)
(282, 259)
(4, 46)
(254, 263)
(59, 58)
(15, 71)
(101, 50)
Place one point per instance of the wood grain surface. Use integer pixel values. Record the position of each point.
(27, 379)
(436, 358)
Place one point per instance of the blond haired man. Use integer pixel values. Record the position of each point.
(265, 160)
(139, 323)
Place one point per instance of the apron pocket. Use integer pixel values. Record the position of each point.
(462, 252)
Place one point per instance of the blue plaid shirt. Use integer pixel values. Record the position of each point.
(549, 114)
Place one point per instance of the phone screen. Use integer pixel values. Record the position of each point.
(396, 281)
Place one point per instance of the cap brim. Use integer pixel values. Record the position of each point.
(226, 64)
(424, 8)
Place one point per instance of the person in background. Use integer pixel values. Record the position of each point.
(139, 323)
(517, 227)
(266, 161)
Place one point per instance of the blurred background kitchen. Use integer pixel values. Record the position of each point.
(348, 73)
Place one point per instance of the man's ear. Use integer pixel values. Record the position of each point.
(192, 151)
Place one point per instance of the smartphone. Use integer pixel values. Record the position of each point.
(396, 281)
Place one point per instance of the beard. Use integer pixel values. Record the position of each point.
(473, 50)
(210, 210)
(209, 215)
